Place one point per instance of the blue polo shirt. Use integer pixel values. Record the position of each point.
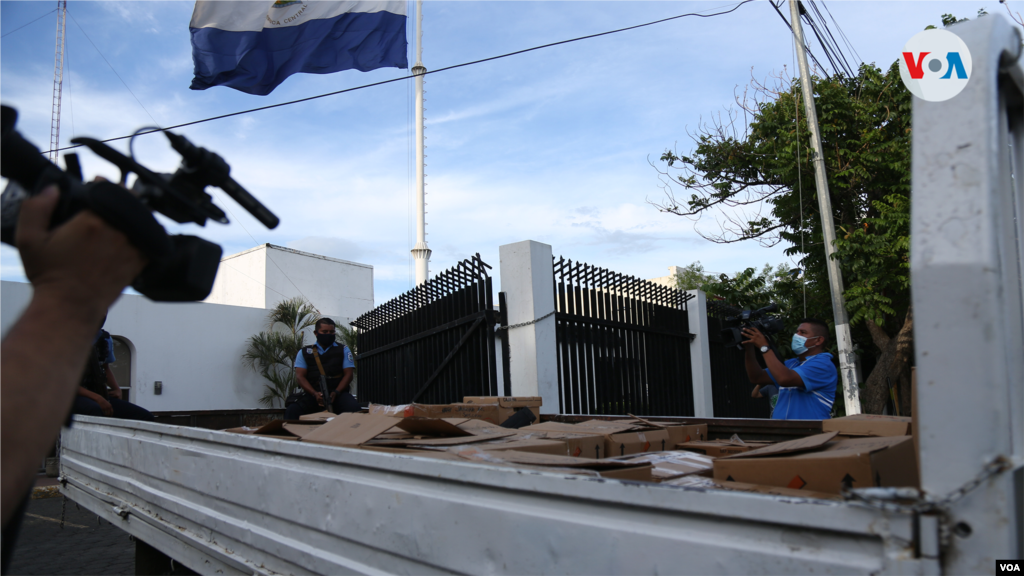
(814, 402)
(300, 360)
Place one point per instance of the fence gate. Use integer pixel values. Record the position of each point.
(623, 344)
(434, 344)
(730, 387)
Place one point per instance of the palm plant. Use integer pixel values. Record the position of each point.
(272, 352)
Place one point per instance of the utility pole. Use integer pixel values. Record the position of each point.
(58, 79)
(847, 367)
(420, 252)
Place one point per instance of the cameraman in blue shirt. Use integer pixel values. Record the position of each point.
(807, 383)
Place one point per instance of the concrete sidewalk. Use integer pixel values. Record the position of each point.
(86, 544)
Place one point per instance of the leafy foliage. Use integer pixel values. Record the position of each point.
(693, 277)
(759, 184)
(272, 352)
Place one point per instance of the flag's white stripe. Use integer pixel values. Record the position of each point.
(254, 16)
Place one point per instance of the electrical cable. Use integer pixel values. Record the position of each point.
(32, 22)
(833, 46)
(439, 70)
(790, 26)
(115, 74)
(846, 40)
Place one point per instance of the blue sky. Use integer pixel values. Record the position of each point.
(551, 145)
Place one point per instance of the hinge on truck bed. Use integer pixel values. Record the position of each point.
(933, 526)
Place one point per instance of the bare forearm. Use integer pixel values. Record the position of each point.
(345, 380)
(40, 402)
(304, 384)
(755, 373)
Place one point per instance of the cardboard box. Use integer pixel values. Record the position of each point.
(577, 445)
(537, 446)
(855, 463)
(508, 405)
(677, 434)
(488, 412)
(869, 425)
(636, 442)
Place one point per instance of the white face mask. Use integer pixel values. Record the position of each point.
(797, 344)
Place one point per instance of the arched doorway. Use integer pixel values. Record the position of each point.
(122, 366)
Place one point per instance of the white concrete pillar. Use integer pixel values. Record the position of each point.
(700, 355)
(527, 279)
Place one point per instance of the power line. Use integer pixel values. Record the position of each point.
(115, 74)
(834, 46)
(790, 26)
(32, 22)
(382, 82)
(842, 34)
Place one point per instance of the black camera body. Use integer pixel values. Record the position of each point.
(733, 326)
(181, 268)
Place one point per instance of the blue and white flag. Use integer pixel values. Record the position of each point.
(253, 46)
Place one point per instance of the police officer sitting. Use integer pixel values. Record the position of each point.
(337, 365)
(99, 393)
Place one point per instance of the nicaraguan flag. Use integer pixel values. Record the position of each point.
(253, 46)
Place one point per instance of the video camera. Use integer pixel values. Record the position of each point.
(768, 325)
(181, 268)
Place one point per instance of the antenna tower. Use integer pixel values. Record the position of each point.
(58, 79)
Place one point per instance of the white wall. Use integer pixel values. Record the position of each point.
(263, 276)
(195, 349)
(241, 279)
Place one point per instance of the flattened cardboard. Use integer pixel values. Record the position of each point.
(351, 429)
(636, 474)
(775, 490)
(321, 416)
(450, 441)
(488, 412)
(301, 430)
(433, 427)
(605, 427)
(411, 452)
(273, 429)
(534, 459)
(857, 463)
(869, 425)
(673, 464)
(480, 427)
(554, 427)
(788, 447)
(716, 448)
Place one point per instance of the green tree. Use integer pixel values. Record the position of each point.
(272, 352)
(693, 277)
(757, 183)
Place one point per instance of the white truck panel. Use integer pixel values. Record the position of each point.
(235, 503)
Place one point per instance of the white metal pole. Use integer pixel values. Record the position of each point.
(847, 365)
(420, 252)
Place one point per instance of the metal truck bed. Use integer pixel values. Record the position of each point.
(229, 503)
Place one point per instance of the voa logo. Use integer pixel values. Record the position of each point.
(935, 65)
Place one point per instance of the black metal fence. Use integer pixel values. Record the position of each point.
(730, 387)
(623, 344)
(434, 344)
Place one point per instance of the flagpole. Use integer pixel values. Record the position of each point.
(420, 252)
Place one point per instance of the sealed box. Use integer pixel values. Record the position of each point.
(508, 405)
(852, 463)
(636, 442)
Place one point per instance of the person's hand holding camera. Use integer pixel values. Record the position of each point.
(83, 262)
(754, 337)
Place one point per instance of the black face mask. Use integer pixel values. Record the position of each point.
(324, 340)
